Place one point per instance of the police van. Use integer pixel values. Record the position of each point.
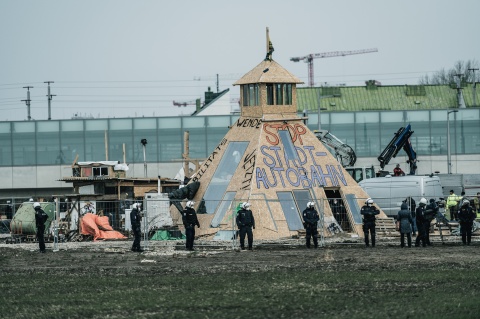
(388, 192)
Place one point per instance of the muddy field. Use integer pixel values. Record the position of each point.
(276, 280)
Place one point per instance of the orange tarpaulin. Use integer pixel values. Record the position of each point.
(98, 227)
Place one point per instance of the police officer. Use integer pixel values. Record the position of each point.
(466, 217)
(189, 219)
(310, 222)
(421, 223)
(369, 211)
(40, 219)
(412, 206)
(245, 222)
(136, 220)
(430, 212)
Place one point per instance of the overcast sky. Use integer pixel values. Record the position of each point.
(120, 58)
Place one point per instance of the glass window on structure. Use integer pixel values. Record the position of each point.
(6, 145)
(253, 94)
(24, 143)
(217, 127)
(143, 129)
(288, 94)
(302, 197)
(227, 205)
(197, 126)
(48, 143)
(290, 151)
(170, 138)
(72, 141)
(223, 174)
(279, 93)
(270, 94)
(119, 133)
(95, 139)
(250, 94)
(290, 210)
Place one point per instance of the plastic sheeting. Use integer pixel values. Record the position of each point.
(165, 235)
(98, 227)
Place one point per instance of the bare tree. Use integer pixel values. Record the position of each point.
(462, 72)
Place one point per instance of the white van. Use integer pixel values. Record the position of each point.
(389, 192)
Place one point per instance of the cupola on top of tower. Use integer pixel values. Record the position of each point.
(268, 89)
(268, 71)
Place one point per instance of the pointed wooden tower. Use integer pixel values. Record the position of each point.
(270, 158)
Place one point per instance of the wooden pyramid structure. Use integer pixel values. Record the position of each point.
(270, 158)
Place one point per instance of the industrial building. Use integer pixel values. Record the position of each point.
(36, 155)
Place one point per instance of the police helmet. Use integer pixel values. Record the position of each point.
(369, 201)
(36, 204)
(465, 202)
(135, 205)
(246, 205)
(310, 204)
(190, 204)
(423, 201)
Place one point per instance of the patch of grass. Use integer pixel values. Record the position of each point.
(300, 293)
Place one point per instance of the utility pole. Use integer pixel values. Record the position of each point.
(27, 101)
(49, 96)
(460, 102)
(474, 86)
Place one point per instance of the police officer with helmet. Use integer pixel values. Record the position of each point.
(245, 222)
(420, 215)
(310, 222)
(136, 221)
(466, 217)
(369, 212)
(40, 219)
(189, 219)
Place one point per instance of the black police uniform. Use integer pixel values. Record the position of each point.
(430, 213)
(421, 225)
(466, 217)
(136, 220)
(245, 222)
(310, 221)
(369, 213)
(189, 218)
(40, 219)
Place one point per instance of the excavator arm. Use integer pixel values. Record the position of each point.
(399, 141)
(343, 152)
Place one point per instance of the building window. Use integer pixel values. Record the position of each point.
(100, 171)
(279, 93)
(288, 94)
(250, 94)
(270, 95)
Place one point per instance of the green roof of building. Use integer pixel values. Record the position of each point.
(377, 97)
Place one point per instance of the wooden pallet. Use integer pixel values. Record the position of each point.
(386, 227)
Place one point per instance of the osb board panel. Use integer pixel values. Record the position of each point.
(266, 168)
(141, 190)
(252, 111)
(268, 72)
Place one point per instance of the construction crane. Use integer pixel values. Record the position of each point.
(309, 59)
(344, 153)
(184, 104)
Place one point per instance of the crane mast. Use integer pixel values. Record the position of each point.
(309, 59)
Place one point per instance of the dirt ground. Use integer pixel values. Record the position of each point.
(280, 279)
(211, 256)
